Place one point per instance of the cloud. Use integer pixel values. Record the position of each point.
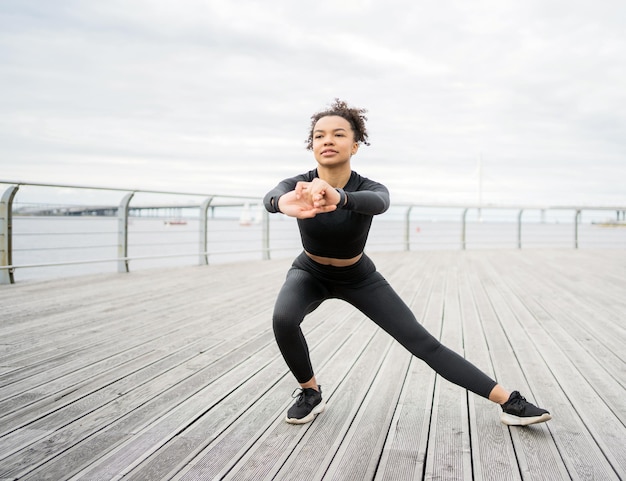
(217, 94)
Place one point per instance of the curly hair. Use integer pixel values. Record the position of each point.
(356, 117)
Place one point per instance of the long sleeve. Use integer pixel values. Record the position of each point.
(271, 198)
(372, 200)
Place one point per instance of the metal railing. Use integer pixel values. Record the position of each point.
(223, 228)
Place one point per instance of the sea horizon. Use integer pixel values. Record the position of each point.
(90, 243)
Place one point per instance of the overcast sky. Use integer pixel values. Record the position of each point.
(215, 96)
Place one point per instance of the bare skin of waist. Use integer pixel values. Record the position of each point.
(331, 261)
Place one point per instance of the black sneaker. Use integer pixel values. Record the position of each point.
(308, 405)
(519, 412)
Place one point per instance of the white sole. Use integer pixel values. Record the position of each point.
(511, 420)
(311, 416)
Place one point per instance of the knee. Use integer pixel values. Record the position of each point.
(284, 324)
(423, 345)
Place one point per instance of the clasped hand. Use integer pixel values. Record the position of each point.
(309, 199)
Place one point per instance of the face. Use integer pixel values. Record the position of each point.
(333, 141)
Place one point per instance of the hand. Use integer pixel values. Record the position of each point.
(318, 193)
(301, 205)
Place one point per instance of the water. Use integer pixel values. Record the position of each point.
(48, 240)
(91, 243)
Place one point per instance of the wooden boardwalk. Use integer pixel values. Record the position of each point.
(174, 374)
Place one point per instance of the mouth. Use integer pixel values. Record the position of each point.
(328, 152)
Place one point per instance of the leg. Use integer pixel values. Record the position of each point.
(310, 384)
(300, 295)
(499, 395)
(377, 300)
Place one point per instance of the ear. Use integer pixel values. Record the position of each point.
(355, 148)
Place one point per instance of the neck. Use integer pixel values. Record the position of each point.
(338, 178)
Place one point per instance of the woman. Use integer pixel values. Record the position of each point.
(334, 207)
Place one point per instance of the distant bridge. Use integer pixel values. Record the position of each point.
(172, 210)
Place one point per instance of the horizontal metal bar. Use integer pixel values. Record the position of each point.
(137, 258)
(231, 196)
(513, 206)
(119, 189)
(64, 248)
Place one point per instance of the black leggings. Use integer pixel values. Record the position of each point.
(308, 284)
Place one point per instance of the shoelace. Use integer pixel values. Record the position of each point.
(517, 403)
(298, 395)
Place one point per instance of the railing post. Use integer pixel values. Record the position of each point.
(266, 235)
(463, 223)
(203, 258)
(122, 233)
(6, 235)
(407, 229)
(576, 221)
(519, 229)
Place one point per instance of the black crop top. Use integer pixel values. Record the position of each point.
(342, 233)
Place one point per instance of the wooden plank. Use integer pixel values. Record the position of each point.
(493, 455)
(96, 365)
(174, 374)
(448, 455)
(404, 452)
(358, 455)
(234, 391)
(115, 404)
(589, 357)
(581, 452)
(318, 447)
(518, 366)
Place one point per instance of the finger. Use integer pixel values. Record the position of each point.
(307, 214)
(326, 208)
(301, 187)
